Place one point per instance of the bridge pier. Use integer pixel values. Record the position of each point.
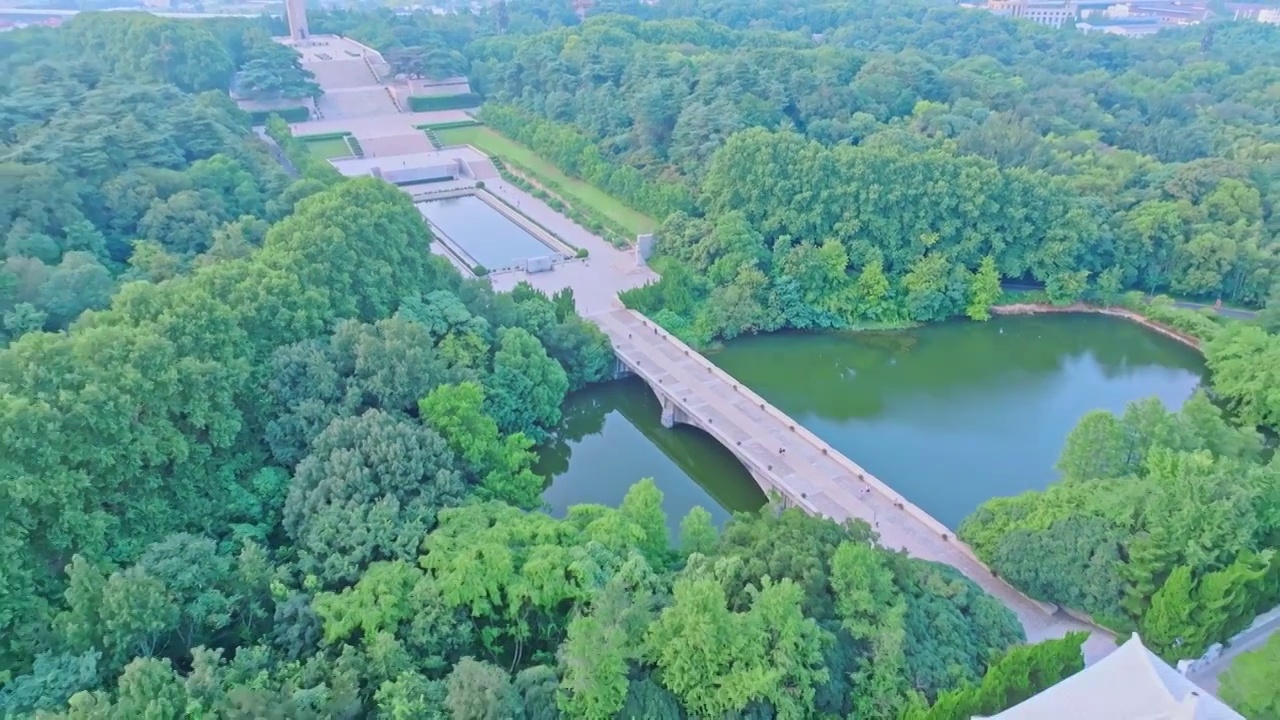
(672, 415)
(620, 369)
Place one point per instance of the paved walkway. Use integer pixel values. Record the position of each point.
(596, 281)
(1208, 675)
(380, 126)
(276, 152)
(780, 453)
(1228, 312)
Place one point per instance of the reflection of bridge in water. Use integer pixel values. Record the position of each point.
(783, 457)
(687, 460)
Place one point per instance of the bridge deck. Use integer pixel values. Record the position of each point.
(809, 473)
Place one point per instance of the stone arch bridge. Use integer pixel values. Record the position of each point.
(804, 470)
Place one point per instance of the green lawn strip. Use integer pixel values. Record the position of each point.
(493, 143)
(327, 148)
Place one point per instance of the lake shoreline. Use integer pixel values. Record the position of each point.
(1082, 308)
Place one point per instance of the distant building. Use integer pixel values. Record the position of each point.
(1053, 13)
(1139, 17)
(1252, 11)
(1171, 13)
(1131, 683)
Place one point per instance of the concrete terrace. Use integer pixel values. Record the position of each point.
(382, 135)
(595, 281)
(399, 163)
(807, 472)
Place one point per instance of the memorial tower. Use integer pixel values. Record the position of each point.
(296, 12)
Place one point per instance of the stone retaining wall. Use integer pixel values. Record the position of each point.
(533, 228)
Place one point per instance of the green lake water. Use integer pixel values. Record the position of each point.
(949, 415)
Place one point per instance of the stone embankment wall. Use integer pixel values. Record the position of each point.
(1038, 308)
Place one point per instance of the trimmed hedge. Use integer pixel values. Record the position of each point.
(427, 103)
(324, 136)
(576, 155)
(289, 114)
(589, 219)
(308, 165)
(448, 125)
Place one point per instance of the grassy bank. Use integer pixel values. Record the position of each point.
(326, 148)
(489, 141)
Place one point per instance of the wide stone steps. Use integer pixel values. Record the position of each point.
(357, 103)
(342, 74)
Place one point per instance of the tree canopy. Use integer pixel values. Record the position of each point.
(122, 158)
(263, 455)
(1163, 523)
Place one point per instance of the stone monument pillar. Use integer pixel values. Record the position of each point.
(644, 249)
(296, 12)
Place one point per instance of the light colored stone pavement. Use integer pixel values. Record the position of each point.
(360, 102)
(382, 126)
(596, 281)
(410, 143)
(781, 454)
(1254, 637)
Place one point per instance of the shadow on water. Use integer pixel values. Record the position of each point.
(948, 359)
(611, 437)
(953, 414)
(950, 415)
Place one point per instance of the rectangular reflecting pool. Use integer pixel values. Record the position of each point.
(482, 233)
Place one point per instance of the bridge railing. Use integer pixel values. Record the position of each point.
(856, 470)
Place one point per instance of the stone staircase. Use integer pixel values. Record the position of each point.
(357, 103)
(391, 93)
(342, 74)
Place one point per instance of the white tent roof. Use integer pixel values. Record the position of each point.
(1131, 683)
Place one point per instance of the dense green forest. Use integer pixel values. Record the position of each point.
(262, 455)
(824, 165)
(276, 461)
(122, 158)
(1163, 522)
(877, 177)
(917, 158)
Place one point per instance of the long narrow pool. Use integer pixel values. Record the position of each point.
(486, 235)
